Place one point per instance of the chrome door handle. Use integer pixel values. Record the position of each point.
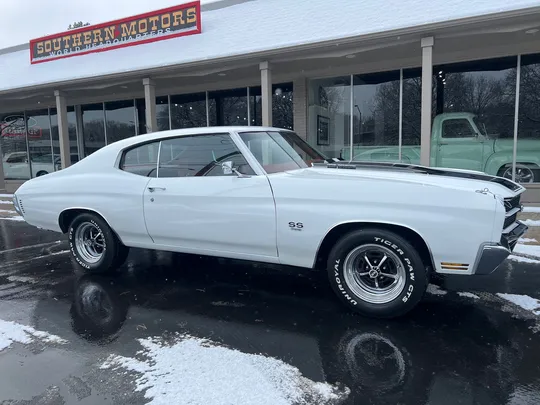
(152, 189)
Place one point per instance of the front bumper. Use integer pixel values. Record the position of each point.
(490, 256)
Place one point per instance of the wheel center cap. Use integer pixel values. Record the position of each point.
(374, 273)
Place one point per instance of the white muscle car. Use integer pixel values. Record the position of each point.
(380, 230)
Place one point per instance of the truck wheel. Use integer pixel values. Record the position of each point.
(524, 174)
(94, 246)
(377, 273)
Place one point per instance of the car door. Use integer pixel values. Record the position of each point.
(460, 146)
(194, 206)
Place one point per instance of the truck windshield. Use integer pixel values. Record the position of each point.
(480, 125)
(280, 150)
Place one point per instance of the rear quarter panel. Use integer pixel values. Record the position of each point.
(116, 195)
(453, 223)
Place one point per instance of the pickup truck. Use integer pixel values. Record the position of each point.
(378, 230)
(460, 140)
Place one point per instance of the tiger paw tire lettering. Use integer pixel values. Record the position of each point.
(94, 246)
(377, 273)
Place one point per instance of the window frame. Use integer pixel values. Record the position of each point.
(240, 146)
(473, 133)
(122, 156)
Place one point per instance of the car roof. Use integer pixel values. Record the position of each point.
(173, 133)
(110, 153)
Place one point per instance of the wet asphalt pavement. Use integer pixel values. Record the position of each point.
(452, 349)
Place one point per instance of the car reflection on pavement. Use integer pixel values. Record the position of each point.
(443, 353)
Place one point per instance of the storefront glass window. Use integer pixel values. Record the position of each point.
(282, 105)
(120, 118)
(411, 116)
(228, 107)
(474, 115)
(528, 141)
(14, 148)
(376, 117)
(329, 115)
(162, 114)
(188, 111)
(42, 160)
(72, 129)
(93, 127)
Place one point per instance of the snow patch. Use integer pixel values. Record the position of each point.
(198, 371)
(523, 301)
(526, 240)
(13, 332)
(523, 259)
(16, 218)
(530, 250)
(22, 279)
(6, 202)
(468, 295)
(8, 211)
(531, 222)
(531, 209)
(435, 290)
(6, 195)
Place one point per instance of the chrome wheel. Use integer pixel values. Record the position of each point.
(90, 242)
(523, 174)
(374, 273)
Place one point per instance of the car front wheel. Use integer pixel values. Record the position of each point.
(377, 273)
(94, 245)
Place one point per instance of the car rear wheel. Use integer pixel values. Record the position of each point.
(377, 273)
(94, 245)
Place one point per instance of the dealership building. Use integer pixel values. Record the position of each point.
(450, 83)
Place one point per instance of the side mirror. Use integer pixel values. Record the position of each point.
(227, 167)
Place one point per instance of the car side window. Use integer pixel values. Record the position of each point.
(200, 155)
(457, 129)
(141, 160)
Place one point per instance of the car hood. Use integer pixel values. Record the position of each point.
(388, 173)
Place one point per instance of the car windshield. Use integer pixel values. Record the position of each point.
(278, 151)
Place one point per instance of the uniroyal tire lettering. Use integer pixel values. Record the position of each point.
(340, 285)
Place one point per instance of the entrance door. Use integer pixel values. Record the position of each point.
(460, 146)
(192, 204)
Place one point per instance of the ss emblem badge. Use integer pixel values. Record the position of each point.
(296, 226)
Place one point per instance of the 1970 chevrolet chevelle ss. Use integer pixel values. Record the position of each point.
(380, 230)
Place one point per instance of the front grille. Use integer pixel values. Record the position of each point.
(510, 238)
(512, 202)
(510, 220)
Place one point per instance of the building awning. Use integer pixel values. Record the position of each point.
(250, 27)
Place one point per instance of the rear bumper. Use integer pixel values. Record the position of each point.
(490, 256)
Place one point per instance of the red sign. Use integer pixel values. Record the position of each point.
(158, 25)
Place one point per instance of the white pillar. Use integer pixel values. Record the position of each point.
(150, 103)
(427, 77)
(63, 131)
(300, 110)
(266, 92)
